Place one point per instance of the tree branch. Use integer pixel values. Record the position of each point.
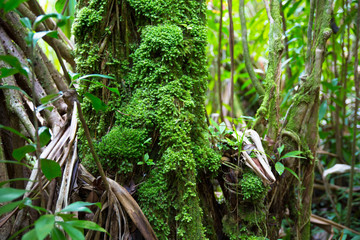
(259, 88)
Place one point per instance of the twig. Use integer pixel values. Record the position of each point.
(267, 7)
(353, 147)
(255, 81)
(231, 59)
(219, 63)
(308, 60)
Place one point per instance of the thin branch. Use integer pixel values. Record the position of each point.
(308, 60)
(268, 12)
(219, 63)
(353, 147)
(232, 58)
(259, 88)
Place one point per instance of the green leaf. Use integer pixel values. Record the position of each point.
(50, 97)
(31, 235)
(59, 5)
(9, 207)
(44, 136)
(15, 63)
(96, 102)
(11, 5)
(15, 132)
(322, 110)
(281, 149)
(28, 202)
(80, 207)
(279, 167)
(57, 234)
(13, 180)
(74, 233)
(16, 88)
(50, 168)
(20, 153)
(42, 18)
(44, 225)
(26, 22)
(9, 194)
(95, 75)
(39, 35)
(293, 173)
(86, 224)
(222, 128)
(15, 162)
(5, 72)
(294, 154)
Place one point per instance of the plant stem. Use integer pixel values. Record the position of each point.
(232, 58)
(353, 157)
(219, 62)
(255, 81)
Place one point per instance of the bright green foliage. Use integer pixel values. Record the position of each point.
(119, 150)
(252, 187)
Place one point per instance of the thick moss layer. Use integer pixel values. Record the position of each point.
(162, 84)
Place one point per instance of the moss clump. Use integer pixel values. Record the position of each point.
(119, 150)
(252, 188)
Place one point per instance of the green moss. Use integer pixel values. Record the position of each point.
(163, 83)
(119, 151)
(252, 188)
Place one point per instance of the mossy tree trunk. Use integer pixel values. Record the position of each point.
(156, 52)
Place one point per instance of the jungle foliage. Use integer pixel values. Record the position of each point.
(202, 119)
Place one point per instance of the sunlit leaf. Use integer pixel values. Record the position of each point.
(10, 5)
(279, 167)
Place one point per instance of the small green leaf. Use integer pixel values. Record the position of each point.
(146, 157)
(38, 35)
(31, 235)
(79, 207)
(20, 153)
(15, 132)
(293, 173)
(57, 234)
(42, 18)
(50, 97)
(9, 194)
(59, 5)
(5, 72)
(26, 22)
(13, 180)
(44, 225)
(15, 63)
(86, 224)
(9, 207)
(322, 110)
(44, 136)
(11, 5)
(50, 168)
(74, 233)
(95, 75)
(279, 167)
(28, 202)
(96, 102)
(281, 149)
(16, 88)
(294, 154)
(222, 128)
